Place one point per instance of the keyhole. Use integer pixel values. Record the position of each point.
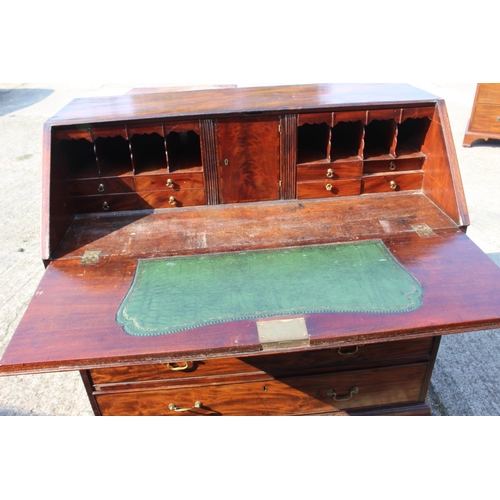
(264, 389)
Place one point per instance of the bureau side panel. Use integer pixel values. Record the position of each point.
(442, 180)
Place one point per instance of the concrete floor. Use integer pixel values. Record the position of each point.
(466, 380)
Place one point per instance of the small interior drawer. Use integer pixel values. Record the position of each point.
(295, 395)
(169, 182)
(172, 198)
(396, 165)
(105, 203)
(342, 170)
(327, 188)
(89, 187)
(392, 183)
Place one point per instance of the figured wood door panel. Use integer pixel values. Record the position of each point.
(248, 155)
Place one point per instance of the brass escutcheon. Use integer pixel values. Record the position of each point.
(100, 188)
(392, 166)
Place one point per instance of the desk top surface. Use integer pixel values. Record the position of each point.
(71, 321)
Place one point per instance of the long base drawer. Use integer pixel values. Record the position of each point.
(289, 396)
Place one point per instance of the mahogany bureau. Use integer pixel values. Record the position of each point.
(295, 250)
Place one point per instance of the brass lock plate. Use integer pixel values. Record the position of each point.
(283, 333)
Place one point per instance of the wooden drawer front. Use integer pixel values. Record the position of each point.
(295, 395)
(486, 118)
(392, 183)
(106, 203)
(327, 171)
(327, 188)
(396, 165)
(420, 112)
(489, 93)
(275, 365)
(101, 186)
(160, 182)
(163, 199)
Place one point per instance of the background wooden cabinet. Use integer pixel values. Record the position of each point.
(484, 122)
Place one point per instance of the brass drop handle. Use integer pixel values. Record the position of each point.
(329, 173)
(178, 368)
(348, 353)
(172, 201)
(333, 394)
(105, 206)
(100, 188)
(170, 183)
(392, 166)
(172, 407)
(328, 187)
(393, 185)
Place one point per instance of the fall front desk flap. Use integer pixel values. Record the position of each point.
(179, 293)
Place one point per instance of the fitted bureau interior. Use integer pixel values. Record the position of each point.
(138, 169)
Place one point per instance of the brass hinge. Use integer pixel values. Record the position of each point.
(90, 257)
(423, 230)
(279, 128)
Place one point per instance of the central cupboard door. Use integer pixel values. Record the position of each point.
(248, 155)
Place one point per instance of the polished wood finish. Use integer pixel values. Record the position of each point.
(484, 122)
(299, 383)
(287, 396)
(248, 159)
(156, 175)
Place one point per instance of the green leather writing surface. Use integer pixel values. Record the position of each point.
(179, 293)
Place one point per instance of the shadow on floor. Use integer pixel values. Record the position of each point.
(14, 99)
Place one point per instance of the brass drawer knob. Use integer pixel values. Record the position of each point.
(172, 201)
(333, 394)
(329, 173)
(328, 187)
(173, 407)
(100, 188)
(393, 185)
(105, 206)
(170, 183)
